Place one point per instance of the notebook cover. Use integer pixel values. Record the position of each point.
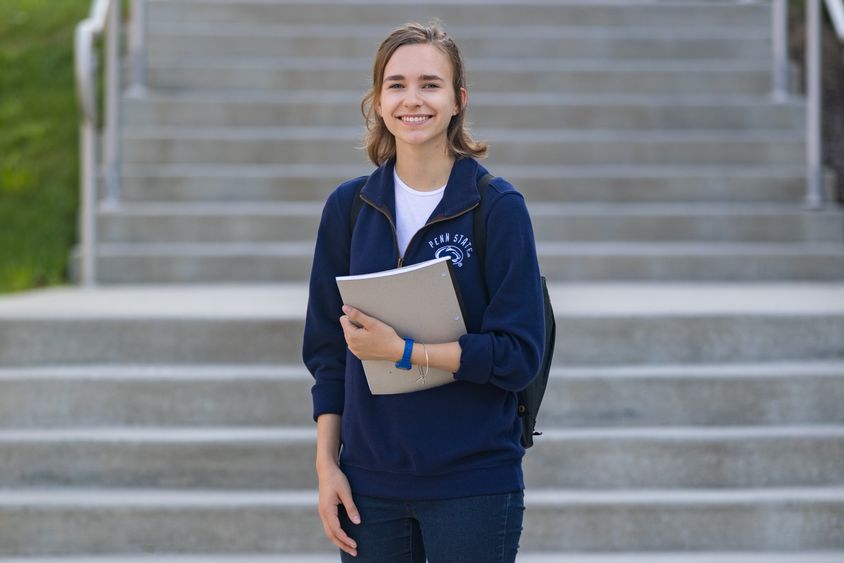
(420, 301)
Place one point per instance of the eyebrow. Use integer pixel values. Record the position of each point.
(396, 77)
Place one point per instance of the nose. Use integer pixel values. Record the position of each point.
(411, 98)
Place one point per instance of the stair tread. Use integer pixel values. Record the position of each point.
(297, 372)
(517, 99)
(286, 301)
(524, 557)
(516, 31)
(523, 171)
(549, 247)
(696, 248)
(138, 497)
(543, 209)
(496, 64)
(257, 134)
(307, 434)
(162, 372)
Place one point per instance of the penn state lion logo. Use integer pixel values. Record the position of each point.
(451, 250)
(455, 245)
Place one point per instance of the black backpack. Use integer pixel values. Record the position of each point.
(530, 397)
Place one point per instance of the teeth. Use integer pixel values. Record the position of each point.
(415, 119)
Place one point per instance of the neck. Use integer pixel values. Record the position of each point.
(424, 170)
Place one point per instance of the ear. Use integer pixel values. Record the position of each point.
(376, 105)
(464, 99)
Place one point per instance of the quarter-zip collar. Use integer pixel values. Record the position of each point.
(461, 191)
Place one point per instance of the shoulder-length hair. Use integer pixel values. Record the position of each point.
(379, 143)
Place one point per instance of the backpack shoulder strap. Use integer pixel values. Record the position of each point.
(357, 202)
(479, 227)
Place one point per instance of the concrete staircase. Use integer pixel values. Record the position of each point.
(707, 426)
(611, 117)
(695, 410)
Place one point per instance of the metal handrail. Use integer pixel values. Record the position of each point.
(85, 66)
(836, 14)
(814, 95)
(814, 198)
(779, 34)
(137, 47)
(814, 109)
(104, 17)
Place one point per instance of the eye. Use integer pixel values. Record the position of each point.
(432, 85)
(395, 85)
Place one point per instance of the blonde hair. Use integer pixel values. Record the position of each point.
(379, 143)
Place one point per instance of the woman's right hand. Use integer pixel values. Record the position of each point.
(334, 490)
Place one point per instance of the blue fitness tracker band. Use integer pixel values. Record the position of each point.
(404, 363)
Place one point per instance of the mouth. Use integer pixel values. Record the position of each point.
(414, 119)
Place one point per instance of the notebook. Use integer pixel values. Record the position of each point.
(422, 302)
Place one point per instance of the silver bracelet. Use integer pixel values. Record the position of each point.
(422, 374)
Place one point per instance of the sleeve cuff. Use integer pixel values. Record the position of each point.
(328, 398)
(475, 358)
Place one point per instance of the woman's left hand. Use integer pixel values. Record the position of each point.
(371, 339)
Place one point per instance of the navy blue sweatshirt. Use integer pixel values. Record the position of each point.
(460, 439)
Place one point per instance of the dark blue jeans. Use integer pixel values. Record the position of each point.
(475, 529)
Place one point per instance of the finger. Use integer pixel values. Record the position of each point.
(339, 535)
(334, 532)
(349, 505)
(348, 327)
(348, 323)
(359, 318)
(350, 550)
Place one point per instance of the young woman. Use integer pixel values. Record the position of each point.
(435, 473)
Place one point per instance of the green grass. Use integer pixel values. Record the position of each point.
(38, 141)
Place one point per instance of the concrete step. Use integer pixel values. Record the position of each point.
(536, 111)
(150, 263)
(282, 458)
(714, 394)
(298, 182)
(524, 557)
(131, 521)
(290, 221)
(484, 75)
(202, 40)
(177, 145)
(67, 396)
(609, 325)
(642, 13)
(691, 262)
(94, 395)
(685, 457)
(701, 223)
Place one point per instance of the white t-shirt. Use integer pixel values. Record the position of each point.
(413, 208)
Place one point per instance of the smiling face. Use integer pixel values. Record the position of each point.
(417, 98)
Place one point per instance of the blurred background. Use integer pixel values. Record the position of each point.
(39, 139)
(163, 166)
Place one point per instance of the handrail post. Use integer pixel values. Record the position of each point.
(779, 36)
(111, 145)
(88, 219)
(85, 62)
(137, 47)
(814, 164)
